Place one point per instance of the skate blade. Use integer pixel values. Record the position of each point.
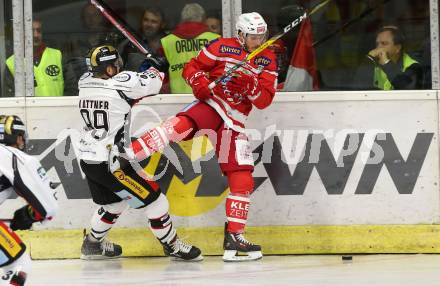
(97, 257)
(198, 258)
(231, 256)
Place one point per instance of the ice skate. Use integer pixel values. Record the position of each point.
(97, 250)
(235, 243)
(180, 250)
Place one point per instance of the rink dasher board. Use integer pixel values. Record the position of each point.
(310, 201)
(275, 240)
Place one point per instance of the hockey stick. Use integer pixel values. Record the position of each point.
(121, 25)
(269, 42)
(129, 33)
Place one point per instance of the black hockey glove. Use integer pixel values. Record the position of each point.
(159, 63)
(23, 219)
(119, 157)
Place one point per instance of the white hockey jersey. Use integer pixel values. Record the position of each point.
(25, 175)
(104, 105)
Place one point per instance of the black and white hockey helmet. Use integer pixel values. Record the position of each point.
(11, 126)
(102, 56)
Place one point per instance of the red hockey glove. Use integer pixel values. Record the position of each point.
(243, 83)
(199, 84)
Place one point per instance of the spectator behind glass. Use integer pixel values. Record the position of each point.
(48, 71)
(394, 69)
(214, 22)
(151, 29)
(184, 43)
(94, 31)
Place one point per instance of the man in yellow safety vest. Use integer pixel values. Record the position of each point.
(394, 69)
(184, 43)
(48, 71)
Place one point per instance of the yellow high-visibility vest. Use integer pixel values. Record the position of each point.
(178, 52)
(48, 74)
(380, 77)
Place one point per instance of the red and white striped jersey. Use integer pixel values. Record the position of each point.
(218, 57)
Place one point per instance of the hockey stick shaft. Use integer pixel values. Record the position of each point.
(121, 25)
(269, 42)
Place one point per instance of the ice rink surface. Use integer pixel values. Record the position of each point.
(303, 270)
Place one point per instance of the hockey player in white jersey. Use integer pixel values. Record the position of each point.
(106, 96)
(24, 175)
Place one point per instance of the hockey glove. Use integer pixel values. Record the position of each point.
(23, 218)
(159, 63)
(243, 83)
(199, 84)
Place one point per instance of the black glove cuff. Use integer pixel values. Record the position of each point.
(159, 63)
(23, 219)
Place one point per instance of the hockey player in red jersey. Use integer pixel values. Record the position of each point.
(224, 110)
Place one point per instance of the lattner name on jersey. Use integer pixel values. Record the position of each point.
(95, 104)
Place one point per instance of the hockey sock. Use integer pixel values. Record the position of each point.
(104, 218)
(241, 185)
(156, 139)
(237, 208)
(160, 221)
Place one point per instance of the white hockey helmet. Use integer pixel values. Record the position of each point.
(251, 23)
